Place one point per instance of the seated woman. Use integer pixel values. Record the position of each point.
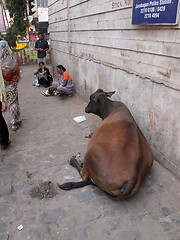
(42, 76)
(65, 85)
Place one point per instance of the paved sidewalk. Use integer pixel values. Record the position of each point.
(39, 152)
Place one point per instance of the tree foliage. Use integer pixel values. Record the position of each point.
(17, 11)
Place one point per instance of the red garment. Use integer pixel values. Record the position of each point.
(12, 77)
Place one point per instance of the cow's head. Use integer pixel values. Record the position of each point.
(98, 101)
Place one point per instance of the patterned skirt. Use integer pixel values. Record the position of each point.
(13, 103)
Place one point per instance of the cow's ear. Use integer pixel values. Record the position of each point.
(109, 94)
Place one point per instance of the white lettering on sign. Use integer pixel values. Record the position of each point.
(147, 11)
(142, 5)
(144, 10)
(155, 15)
(161, 9)
(153, 3)
(147, 15)
(163, 2)
(148, 4)
(151, 9)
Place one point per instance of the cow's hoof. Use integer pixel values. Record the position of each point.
(72, 160)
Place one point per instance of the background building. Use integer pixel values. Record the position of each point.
(101, 48)
(40, 17)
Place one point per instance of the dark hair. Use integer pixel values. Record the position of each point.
(41, 63)
(41, 33)
(61, 67)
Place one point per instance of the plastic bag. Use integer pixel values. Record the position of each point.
(35, 82)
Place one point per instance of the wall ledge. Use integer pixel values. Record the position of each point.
(160, 158)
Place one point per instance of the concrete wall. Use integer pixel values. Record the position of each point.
(96, 42)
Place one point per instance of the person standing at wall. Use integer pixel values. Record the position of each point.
(11, 76)
(4, 133)
(41, 46)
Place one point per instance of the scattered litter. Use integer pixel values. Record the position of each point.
(20, 227)
(44, 190)
(28, 174)
(80, 119)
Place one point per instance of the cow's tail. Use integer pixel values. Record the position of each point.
(71, 185)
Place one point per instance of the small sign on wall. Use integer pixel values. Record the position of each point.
(43, 14)
(154, 12)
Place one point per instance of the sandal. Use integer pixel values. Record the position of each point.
(16, 126)
(46, 93)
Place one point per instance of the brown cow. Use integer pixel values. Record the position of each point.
(118, 156)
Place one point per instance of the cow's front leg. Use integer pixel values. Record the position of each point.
(73, 162)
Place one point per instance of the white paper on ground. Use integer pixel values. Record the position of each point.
(80, 119)
(20, 227)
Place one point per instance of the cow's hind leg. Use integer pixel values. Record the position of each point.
(70, 185)
(73, 162)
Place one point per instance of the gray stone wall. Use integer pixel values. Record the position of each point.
(100, 48)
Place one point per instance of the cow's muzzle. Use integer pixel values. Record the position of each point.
(87, 110)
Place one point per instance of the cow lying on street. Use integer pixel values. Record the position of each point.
(118, 156)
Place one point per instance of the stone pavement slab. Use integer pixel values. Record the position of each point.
(39, 152)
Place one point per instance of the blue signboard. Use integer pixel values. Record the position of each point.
(154, 11)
